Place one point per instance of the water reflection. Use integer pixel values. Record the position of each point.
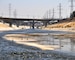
(66, 43)
(57, 42)
(72, 44)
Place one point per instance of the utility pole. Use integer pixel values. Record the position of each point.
(9, 10)
(60, 11)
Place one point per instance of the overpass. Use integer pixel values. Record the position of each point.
(16, 21)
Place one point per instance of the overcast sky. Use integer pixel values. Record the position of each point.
(34, 8)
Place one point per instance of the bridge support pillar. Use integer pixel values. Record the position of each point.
(33, 25)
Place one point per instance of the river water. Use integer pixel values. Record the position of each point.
(59, 42)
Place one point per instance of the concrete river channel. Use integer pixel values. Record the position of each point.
(62, 45)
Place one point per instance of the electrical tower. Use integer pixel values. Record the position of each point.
(9, 10)
(60, 11)
(15, 13)
(49, 14)
(1, 14)
(72, 6)
(53, 14)
(46, 15)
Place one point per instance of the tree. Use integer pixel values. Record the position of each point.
(72, 15)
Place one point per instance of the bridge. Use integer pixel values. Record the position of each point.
(32, 22)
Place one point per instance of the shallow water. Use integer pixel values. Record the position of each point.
(64, 43)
